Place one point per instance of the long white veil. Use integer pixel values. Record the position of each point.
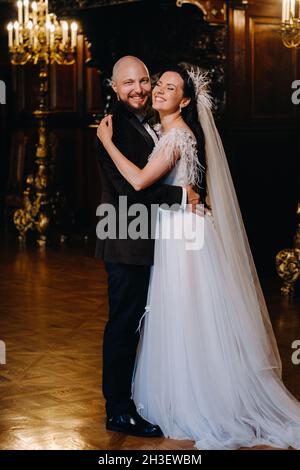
(254, 317)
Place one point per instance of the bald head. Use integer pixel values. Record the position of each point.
(126, 62)
(131, 82)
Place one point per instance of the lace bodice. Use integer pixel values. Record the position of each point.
(187, 169)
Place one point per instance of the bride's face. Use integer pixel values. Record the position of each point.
(167, 95)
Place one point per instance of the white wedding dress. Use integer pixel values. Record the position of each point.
(195, 375)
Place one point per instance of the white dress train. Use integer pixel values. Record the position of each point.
(194, 373)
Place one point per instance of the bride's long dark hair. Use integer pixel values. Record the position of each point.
(190, 117)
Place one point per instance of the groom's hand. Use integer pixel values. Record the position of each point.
(193, 198)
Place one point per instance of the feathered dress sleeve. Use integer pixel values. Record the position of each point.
(179, 146)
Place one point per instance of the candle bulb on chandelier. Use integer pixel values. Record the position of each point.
(20, 11)
(35, 36)
(26, 12)
(30, 25)
(10, 34)
(283, 11)
(74, 28)
(47, 32)
(34, 12)
(286, 10)
(293, 8)
(16, 28)
(65, 27)
(52, 30)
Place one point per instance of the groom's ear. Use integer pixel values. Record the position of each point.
(114, 87)
(185, 102)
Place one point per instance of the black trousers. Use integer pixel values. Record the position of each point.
(127, 292)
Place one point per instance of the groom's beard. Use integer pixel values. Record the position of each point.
(147, 110)
(150, 115)
(144, 110)
(140, 110)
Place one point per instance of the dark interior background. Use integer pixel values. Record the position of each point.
(251, 71)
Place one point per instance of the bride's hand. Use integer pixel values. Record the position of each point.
(105, 130)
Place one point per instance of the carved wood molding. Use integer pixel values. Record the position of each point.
(214, 11)
(239, 4)
(197, 3)
(103, 3)
(69, 5)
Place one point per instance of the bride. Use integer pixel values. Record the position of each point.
(208, 367)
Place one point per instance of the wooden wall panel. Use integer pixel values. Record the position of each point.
(262, 126)
(261, 70)
(237, 97)
(93, 90)
(63, 88)
(273, 68)
(25, 88)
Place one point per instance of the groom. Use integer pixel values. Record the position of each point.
(128, 261)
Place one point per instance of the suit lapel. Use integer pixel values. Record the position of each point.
(138, 126)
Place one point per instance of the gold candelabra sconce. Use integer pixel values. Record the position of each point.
(38, 37)
(288, 263)
(290, 28)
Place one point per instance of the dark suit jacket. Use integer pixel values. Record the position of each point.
(132, 139)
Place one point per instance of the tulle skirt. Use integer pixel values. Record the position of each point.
(195, 375)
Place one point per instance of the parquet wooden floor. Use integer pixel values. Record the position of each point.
(53, 309)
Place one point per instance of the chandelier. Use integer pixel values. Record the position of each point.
(290, 29)
(38, 37)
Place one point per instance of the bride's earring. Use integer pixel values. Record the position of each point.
(180, 108)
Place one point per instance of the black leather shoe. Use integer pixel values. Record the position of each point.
(133, 424)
